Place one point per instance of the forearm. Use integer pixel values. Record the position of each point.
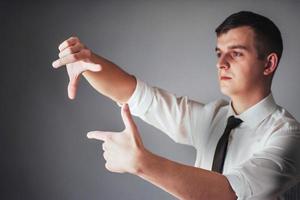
(184, 182)
(111, 81)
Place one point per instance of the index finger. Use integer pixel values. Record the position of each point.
(98, 135)
(69, 42)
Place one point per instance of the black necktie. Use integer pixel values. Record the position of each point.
(221, 149)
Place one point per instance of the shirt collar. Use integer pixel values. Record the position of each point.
(256, 113)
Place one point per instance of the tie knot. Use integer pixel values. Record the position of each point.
(233, 122)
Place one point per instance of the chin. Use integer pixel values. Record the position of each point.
(226, 91)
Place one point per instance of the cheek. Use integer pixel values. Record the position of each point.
(241, 71)
(248, 76)
(249, 69)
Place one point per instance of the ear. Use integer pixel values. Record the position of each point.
(271, 64)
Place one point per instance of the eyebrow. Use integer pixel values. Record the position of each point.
(234, 47)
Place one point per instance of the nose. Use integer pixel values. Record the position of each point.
(223, 63)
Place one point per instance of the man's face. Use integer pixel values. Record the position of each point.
(240, 71)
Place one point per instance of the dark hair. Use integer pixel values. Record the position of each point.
(267, 35)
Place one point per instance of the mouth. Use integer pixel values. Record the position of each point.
(225, 78)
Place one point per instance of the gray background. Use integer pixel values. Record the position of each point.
(170, 44)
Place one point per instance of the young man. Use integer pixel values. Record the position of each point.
(246, 149)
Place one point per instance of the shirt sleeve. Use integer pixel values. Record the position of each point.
(270, 172)
(178, 117)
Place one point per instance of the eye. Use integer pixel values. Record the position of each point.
(218, 54)
(236, 54)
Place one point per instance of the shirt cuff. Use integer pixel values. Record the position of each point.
(141, 99)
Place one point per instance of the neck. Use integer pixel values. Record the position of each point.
(240, 103)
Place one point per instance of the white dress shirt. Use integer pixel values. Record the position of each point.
(261, 160)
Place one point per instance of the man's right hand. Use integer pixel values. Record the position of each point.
(77, 59)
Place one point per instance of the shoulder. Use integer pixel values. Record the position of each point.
(283, 120)
(211, 111)
(217, 104)
(282, 128)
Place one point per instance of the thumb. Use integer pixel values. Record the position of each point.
(72, 87)
(127, 118)
(130, 126)
(92, 67)
(98, 135)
